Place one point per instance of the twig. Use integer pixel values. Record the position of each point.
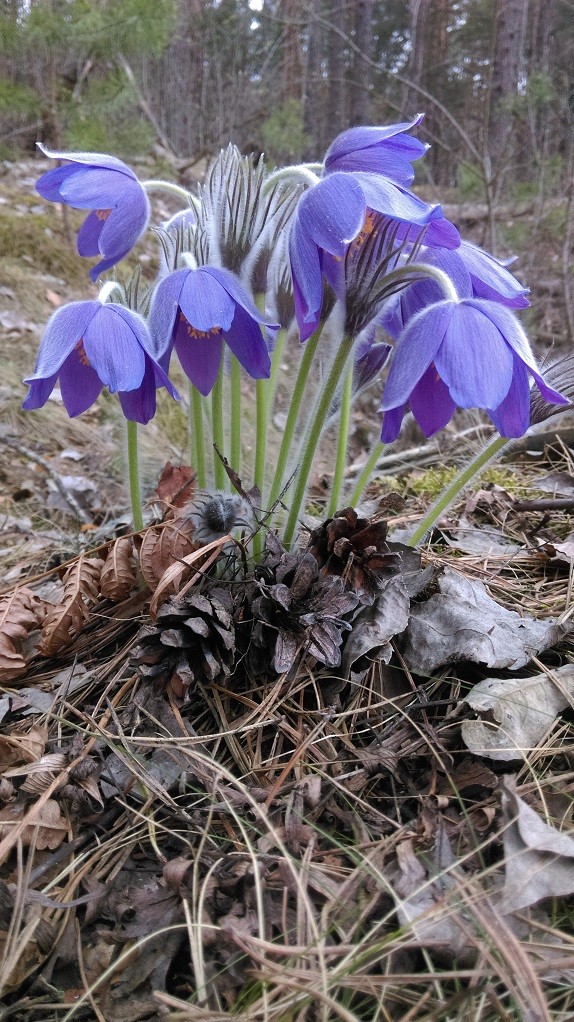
(39, 460)
(545, 504)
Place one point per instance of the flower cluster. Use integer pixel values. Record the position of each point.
(252, 252)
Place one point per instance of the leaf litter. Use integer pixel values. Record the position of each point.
(279, 794)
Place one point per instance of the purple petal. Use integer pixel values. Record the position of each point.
(491, 279)
(92, 188)
(438, 233)
(392, 422)
(89, 159)
(394, 201)
(49, 184)
(127, 222)
(386, 151)
(139, 405)
(80, 384)
(89, 235)
(235, 289)
(474, 360)
(200, 355)
(39, 392)
(204, 301)
(64, 329)
(307, 280)
(106, 264)
(431, 403)
(246, 341)
(333, 212)
(112, 348)
(512, 417)
(428, 291)
(416, 349)
(164, 311)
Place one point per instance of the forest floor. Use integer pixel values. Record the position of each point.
(390, 839)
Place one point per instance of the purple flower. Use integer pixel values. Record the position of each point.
(386, 151)
(103, 184)
(195, 311)
(472, 353)
(331, 215)
(88, 345)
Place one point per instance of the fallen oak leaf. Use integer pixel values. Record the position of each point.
(66, 620)
(539, 860)
(461, 622)
(20, 613)
(171, 578)
(523, 710)
(118, 576)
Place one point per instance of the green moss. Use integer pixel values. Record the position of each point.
(41, 240)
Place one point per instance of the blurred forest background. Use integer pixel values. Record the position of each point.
(174, 80)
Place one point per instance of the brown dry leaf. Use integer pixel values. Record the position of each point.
(20, 746)
(20, 613)
(171, 578)
(176, 485)
(518, 712)
(539, 860)
(48, 830)
(118, 576)
(462, 622)
(66, 620)
(164, 544)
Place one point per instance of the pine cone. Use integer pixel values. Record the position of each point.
(357, 550)
(293, 608)
(193, 639)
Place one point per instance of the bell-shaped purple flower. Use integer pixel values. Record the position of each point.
(387, 150)
(105, 185)
(471, 353)
(89, 345)
(195, 311)
(331, 214)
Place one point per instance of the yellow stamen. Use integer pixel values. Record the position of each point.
(194, 333)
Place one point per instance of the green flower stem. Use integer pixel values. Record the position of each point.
(261, 433)
(218, 431)
(170, 186)
(197, 436)
(293, 414)
(314, 435)
(134, 475)
(235, 403)
(342, 442)
(276, 358)
(368, 469)
(462, 479)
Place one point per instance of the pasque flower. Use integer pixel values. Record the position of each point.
(105, 185)
(331, 214)
(472, 353)
(386, 150)
(195, 311)
(89, 345)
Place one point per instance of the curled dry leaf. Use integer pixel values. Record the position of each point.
(462, 622)
(47, 831)
(518, 712)
(118, 576)
(162, 545)
(172, 577)
(539, 859)
(20, 613)
(22, 745)
(39, 775)
(66, 620)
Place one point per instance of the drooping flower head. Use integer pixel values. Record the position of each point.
(89, 345)
(105, 185)
(195, 311)
(366, 170)
(471, 353)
